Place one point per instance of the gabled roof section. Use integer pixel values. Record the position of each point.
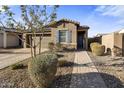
(69, 20)
(64, 20)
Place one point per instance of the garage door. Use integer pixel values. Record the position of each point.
(1, 40)
(45, 41)
(12, 40)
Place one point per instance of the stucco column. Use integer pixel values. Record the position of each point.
(24, 42)
(4, 40)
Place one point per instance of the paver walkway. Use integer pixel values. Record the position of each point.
(12, 56)
(85, 74)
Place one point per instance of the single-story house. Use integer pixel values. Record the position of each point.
(114, 42)
(67, 32)
(9, 38)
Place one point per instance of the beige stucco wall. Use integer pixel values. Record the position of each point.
(108, 40)
(118, 43)
(1, 40)
(53, 34)
(44, 42)
(68, 26)
(12, 40)
(113, 40)
(118, 40)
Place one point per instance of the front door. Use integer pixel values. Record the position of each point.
(80, 41)
(20, 41)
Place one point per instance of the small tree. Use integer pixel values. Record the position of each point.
(33, 19)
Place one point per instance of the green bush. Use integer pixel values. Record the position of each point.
(42, 69)
(59, 47)
(17, 66)
(97, 49)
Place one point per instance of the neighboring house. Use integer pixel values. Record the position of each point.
(66, 32)
(9, 38)
(114, 42)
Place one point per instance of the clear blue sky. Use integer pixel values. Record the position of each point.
(100, 19)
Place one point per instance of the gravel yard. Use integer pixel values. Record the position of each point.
(61, 80)
(113, 67)
(20, 78)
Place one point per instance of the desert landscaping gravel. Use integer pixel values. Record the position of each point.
(111, 69)
(61, 80)
(20, 78)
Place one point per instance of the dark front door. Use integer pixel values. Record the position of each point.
(20, 41)
(80, 41)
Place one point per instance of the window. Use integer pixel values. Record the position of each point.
(62, 36)
(70, 37)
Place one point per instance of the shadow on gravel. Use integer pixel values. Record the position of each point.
(117, 65)
(72, 64)
(87, 80)
(10, 52)
(111, 81)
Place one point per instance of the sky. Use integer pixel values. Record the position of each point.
(100, 19)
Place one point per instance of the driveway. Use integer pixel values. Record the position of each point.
(11, 56)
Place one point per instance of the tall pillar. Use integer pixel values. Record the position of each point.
(24, 40)
(4, 40)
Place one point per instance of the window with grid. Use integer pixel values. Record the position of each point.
(62, 36)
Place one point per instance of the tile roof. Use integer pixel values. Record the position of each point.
(67, 20)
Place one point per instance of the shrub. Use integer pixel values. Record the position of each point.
(59, 47)
(51, 45)
(94, 39)
(61, 62)
(17, 66)
(116, 51)
(42, 69)
(94, 44)
(97, 49)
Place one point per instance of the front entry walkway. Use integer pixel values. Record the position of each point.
(85, 74)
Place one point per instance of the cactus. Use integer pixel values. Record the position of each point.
(42, 69)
